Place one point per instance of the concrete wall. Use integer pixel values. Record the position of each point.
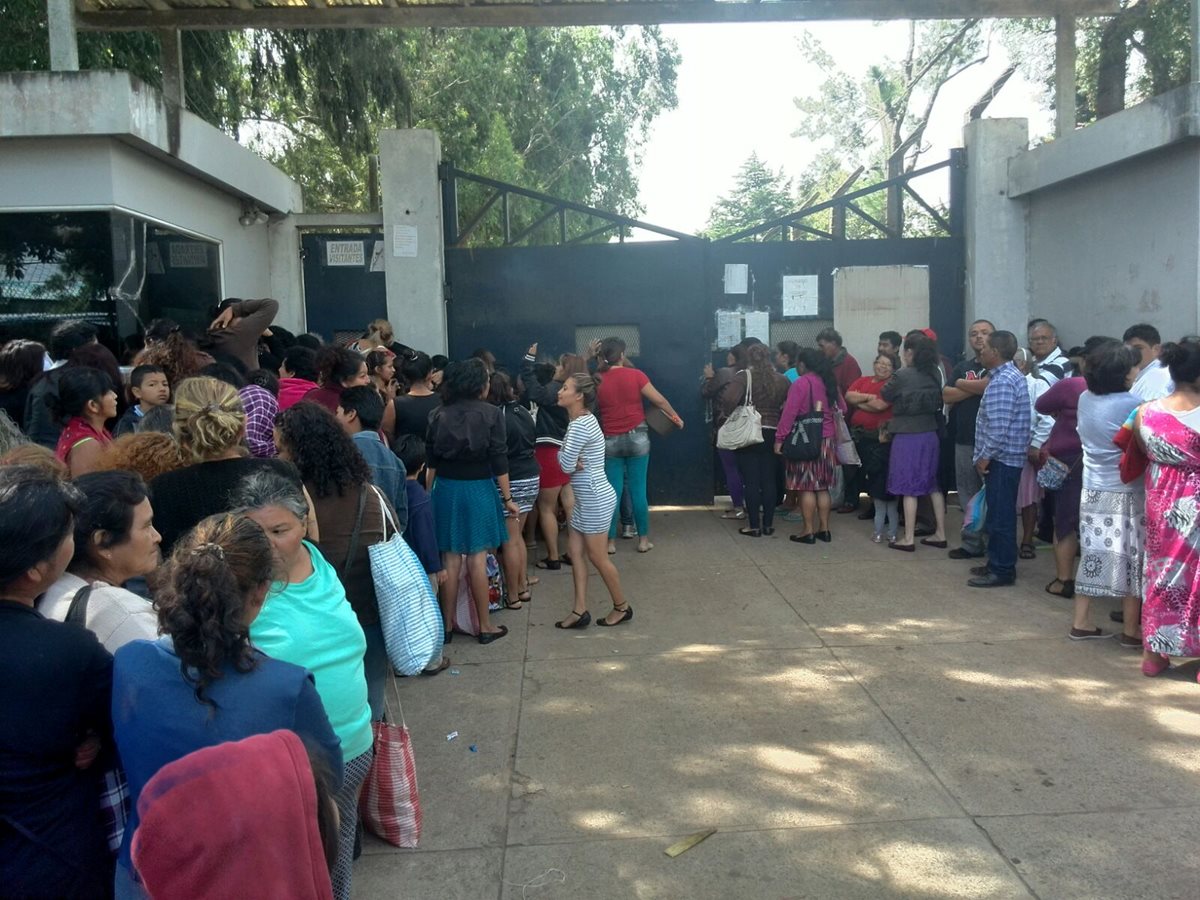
(1119, 247)
(106, 141)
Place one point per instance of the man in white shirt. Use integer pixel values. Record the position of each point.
(1153, 381)
(1053, 364)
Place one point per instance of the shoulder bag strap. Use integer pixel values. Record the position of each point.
(77, 614)
(749, 401)
(358, 518)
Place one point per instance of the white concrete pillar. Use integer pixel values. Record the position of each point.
(996, 227)
(64, 45)
(414, 263)
(287, 274)
(170, 53)
(1064, 75)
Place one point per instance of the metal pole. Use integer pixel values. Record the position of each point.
(1064, 75)
(64, 46)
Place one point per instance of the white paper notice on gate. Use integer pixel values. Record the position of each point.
(404, 240)
(758, 325)
(737, 278)
(729, 328)
(345, 253)
(800, 295)
(377, 257)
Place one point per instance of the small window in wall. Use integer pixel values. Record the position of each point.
(630, 334)
(803, 331)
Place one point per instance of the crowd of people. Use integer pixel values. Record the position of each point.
(188, 584)
(1096, 449)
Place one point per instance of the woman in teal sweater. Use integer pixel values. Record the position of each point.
(306, 620)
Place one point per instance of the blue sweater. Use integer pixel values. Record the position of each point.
(157, 718)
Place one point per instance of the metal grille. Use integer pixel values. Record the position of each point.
(803, 331)
(630, 334)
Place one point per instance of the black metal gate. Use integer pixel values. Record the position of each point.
(344, 286)
(520, 269)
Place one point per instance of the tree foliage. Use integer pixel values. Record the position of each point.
(565, 111)
(759, 195)
(1142, 51)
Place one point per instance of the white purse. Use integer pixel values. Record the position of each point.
(743, 428)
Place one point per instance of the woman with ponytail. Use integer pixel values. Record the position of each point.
(202, 683)
(210, 425)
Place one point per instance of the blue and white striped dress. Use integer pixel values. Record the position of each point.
(595, 499)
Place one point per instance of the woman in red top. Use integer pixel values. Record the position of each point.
(86, 400)
(626, 435)
(865, 423)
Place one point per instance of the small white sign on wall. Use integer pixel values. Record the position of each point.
(737, 278)
(404, 240)
(188, 255)
(800, 295)
(758, 325)
(377, 257)
(345, 253)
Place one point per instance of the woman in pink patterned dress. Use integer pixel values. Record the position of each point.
(1169, 430)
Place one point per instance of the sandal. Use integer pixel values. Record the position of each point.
(626, 616)
(509, 604)
(525, 596)
(552, 564)
(438, 669)
(1066, 588)
(1027, 552)
(582, 620)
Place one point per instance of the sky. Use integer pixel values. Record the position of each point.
(736, 88)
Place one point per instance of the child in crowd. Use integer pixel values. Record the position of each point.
(148, 387)
(420, 534)
(86, 400)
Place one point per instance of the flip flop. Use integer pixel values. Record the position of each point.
(552, 564)
(645, 549)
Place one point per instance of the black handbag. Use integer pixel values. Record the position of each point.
(803, 443)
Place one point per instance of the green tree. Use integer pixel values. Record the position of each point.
(565, 111)
(759, 195)
(877, 120)
(1142, 51)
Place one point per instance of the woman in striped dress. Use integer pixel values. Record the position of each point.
(582, 456)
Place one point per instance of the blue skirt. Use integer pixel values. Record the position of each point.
(468, 515)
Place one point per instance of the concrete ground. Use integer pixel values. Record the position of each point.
(853, 721)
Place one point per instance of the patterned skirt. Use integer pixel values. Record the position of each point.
(1112, 535)
(813, 475)
(467, 515)
(524, 492)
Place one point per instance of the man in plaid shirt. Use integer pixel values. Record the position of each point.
(1001, 441)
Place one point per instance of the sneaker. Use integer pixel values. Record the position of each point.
(1130, 643)
(1078, 634)
(628, 531)
(878, 538)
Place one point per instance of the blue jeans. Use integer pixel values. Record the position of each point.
(1002, 482)
(631, 470)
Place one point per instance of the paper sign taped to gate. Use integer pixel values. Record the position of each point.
(404, 240)
(345, 253)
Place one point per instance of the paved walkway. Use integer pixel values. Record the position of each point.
(853, 721)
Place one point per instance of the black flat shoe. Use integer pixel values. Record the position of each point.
(487, 637)
(626, 616)
(990, 580)
(583, 620)
(803, 538)
(767, 532)
(749, 532)
(825, 536)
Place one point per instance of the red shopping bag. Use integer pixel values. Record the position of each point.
(389, 803)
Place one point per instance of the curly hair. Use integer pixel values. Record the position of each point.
(200, 596)
(209, 418)
(464, 380)
(38, 457)
(174, 354)
(148, 453)
(328, 461)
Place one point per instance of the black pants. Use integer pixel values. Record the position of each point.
(758, 467)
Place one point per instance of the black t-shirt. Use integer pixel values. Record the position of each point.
(412, 414)
(964, 413)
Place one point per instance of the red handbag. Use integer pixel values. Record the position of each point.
(1134, 461)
